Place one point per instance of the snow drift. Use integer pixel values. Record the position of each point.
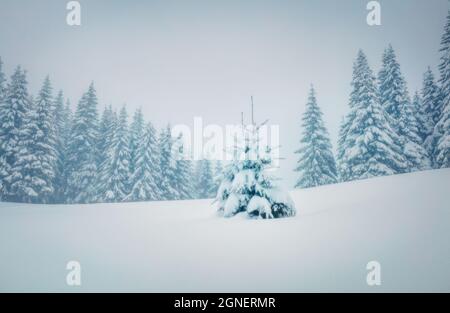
(403, 222)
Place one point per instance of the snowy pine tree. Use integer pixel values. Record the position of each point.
(395, 101)
(21, 179)
(2, 82)
(82, 150)
(247, 185)
(316, 164)
(431, 100)
(136, 133)
(108, 122)
(183, 171)
(117, 169)
(144, 179)
(370, 146)
(441, 132)
(392, 86)
(108, 126)
(44, 145)
(65, 132)
(2, 96)
(442, 152)
(167, 166)
(205, 186)
(423, 122)
(61, 124)
(413, 148)
(218, 174)
(13, 114)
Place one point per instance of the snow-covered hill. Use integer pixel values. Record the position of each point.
(403, 222)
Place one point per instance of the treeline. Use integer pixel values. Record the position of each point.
(49, 154)
(385, 131)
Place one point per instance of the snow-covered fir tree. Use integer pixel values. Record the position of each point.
(21, 177)
(413, 147)
(423, 122)
(44, 169)
(61, 124)
(117, 169)
(2, 96)
(431, 98)
(183, 171)
(65, 136)
(136, 133)
(344, 174)
(395, 101)
(205, 186)
(2, 81)
(13, 114)
(431, 101)
(218, 174)
(316, 164)
(108, 123)
(392, 86)
(167, 165)
(144, 179)
(370, 146)
(442, 152)
(442, 128)
(247, 185)
(82, 150)
(107, 129)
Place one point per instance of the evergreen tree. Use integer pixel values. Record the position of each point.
(2, 96)
(371, 147)
(316, 165)
(108, 127)
(13, 114)
(205, 186)
(136, 133)
(183, 172)
(2, 82)
(432, 108)
(21, 178)
(441, 132)
(35, 168)
(444, 69)
(118, 162)
(423, 122)
(443, 143)
(67, 118)
(82, 150)
(218, 175)
(60, 121)
(167, 166)
(413, 149)
(248, 187)
(395, 100)
(106, 131)
(344, 174)
(144, 179)
(431, 98)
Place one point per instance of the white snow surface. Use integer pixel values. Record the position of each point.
(402, 221)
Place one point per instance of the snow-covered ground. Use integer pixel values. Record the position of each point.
(403, 222)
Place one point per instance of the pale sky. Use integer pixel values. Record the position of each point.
(181, 59)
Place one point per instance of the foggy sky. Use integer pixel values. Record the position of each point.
(181, 59)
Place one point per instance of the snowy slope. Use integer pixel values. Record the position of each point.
(401, 221)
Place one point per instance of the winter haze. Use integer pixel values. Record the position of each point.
(181, 59)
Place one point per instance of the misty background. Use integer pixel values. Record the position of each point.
(182, 59)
